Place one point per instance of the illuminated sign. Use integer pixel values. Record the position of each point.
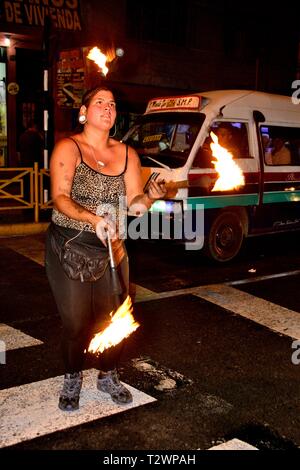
(64, 14)
(174, 103)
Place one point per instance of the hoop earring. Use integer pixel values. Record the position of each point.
(112, 135)
(82, 119)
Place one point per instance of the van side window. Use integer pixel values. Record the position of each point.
(281, 145)
(231, 135)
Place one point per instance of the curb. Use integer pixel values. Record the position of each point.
(17, 230)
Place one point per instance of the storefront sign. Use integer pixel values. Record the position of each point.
(64, 14)
(70, 78)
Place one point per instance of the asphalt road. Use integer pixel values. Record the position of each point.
(213, 351)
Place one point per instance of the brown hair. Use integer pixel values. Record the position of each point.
(89, 95)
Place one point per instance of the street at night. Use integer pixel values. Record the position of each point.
(211, 362)
(177, 124)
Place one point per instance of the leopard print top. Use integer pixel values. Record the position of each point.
(97, 192)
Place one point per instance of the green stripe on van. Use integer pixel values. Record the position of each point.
(281, 196)
(213, 202)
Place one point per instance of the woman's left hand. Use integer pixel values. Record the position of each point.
(157, 190)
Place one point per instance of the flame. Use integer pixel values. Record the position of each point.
(230, 174)
(101, 59)
(121, 326)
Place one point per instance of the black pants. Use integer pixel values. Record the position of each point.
(84, 309)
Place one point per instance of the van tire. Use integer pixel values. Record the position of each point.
(225, 237)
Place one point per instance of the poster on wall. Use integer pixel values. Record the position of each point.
(70, 78)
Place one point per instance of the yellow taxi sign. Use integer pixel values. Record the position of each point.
(174, 103)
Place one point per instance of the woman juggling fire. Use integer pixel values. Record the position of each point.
(90, 172)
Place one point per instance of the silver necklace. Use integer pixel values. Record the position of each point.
(99, 163)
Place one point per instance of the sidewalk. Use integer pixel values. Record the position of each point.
(15, 223)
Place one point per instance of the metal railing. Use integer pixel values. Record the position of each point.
(25, 188)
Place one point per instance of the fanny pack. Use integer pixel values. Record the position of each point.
(80, 261)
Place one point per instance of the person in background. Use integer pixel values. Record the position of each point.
(89, 174)
(225, 134)
(31, 146)
(266, 142)
(281, 155)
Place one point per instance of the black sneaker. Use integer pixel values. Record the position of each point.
(109, 382)
(69, 396)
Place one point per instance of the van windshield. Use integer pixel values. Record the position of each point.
(164, 139)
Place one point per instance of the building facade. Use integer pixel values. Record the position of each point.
(168, 49)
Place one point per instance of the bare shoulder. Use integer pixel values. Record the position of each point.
(133, 162)
(65, 147)
(64, 143)
(120, 147)
(132, 154)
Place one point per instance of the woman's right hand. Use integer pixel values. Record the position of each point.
(104, 227)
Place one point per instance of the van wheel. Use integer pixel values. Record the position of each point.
(225, 237)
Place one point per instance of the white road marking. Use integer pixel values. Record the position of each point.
(35, 250)
(139, 293)
(263, 278)
(273, 316)
(233, 444)
(15, 339)
(166, 294)
(30, 248)
(31, 410)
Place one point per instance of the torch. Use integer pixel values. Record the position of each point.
(115, 280)
(122, 322)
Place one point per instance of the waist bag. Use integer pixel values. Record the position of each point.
(80, 261)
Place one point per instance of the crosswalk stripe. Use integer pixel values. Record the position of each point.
(29, 411)
(139, 293)
(234, 444)
(15, 339)
(267, 277)
(34, 250)
(273, 316)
